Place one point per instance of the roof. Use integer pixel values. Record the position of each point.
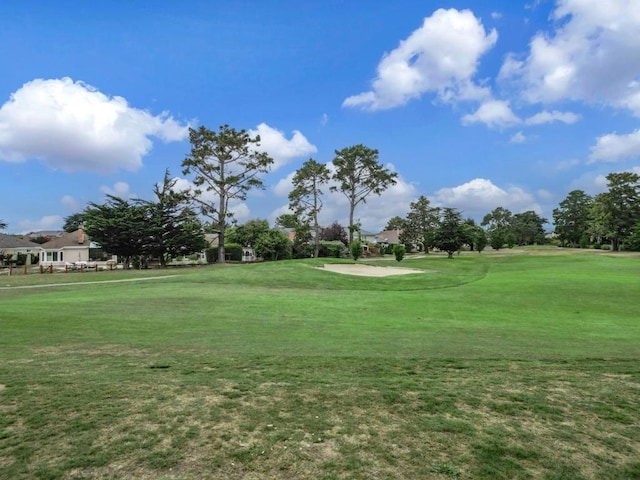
(68, 240)
(9, 241)
(391, 237)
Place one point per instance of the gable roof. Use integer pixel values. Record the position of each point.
(389, 236)
(9, 241)
(68, 240)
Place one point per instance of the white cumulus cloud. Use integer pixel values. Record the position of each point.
(72, 126)
(614, 148)
(119, 189)
(554, 116)
(441, 56)
(480, 196)
(519, 137)
(591, 54)
(494, 114)
(281, 149)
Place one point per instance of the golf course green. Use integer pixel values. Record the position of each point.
(515, 365)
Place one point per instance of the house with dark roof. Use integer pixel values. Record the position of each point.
(11, 245)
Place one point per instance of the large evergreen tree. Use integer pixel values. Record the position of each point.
(528, 228)
(120, 227)
(175, 229)
(359, 175)
(421, 223)
(227, 164)
(571, 218)
(450, 234)
(618, 210)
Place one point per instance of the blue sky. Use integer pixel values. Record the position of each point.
(475, 104)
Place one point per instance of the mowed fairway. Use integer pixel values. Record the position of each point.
(519, 366)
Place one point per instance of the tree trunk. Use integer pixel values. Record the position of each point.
(615, 245)
(316, 240)
(222, 226)
(352, 207)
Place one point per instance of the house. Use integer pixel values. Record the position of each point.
(388, 237)
(11, 246)
(67, 248)
(368, 237)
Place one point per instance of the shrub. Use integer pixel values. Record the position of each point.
(335, 249)
(356, 249)
(399, 251)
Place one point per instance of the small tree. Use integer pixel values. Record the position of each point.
(480, 240)
(499, 224)
(335, 231)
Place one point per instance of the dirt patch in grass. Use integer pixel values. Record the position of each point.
(368, 270)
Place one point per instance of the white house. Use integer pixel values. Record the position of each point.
(67, 248)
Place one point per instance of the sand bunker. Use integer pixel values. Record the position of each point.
(368, 270)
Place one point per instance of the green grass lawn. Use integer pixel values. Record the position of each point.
(485, 366)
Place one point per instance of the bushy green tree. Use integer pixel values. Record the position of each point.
(618, 210)
(450, 234)
(273, 245)
(120, 227)
(633, 241)
(527, 228)
(248, 233)
(499, 225)
(421, 223)
(480, 240)
(571, 218)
